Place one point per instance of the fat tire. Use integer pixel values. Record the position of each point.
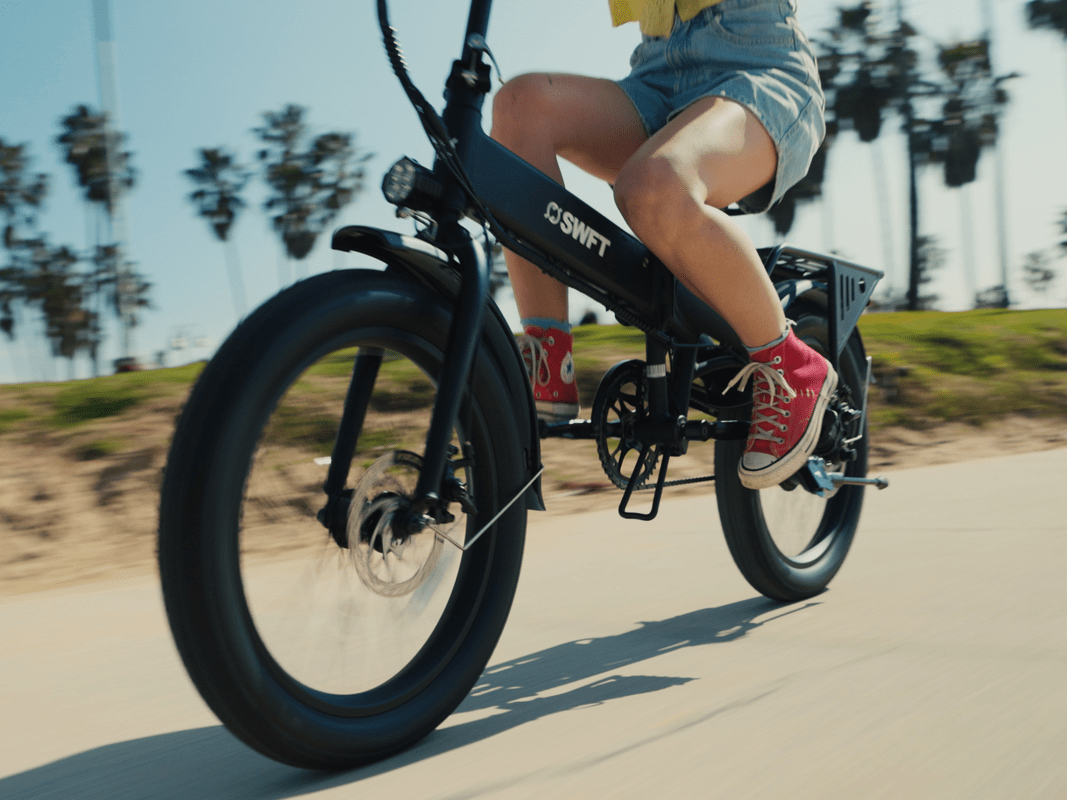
(200, 514)
(770, 571)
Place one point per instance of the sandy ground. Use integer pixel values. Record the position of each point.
(67, 522)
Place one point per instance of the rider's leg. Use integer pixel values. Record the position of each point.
(588, 121)
(591, 123)
(712, 154)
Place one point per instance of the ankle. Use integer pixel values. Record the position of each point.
(790, 348)
(770, 344)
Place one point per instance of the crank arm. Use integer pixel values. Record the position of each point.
(824, 484)
(573, 429)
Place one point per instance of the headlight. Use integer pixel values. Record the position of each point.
(410, 185)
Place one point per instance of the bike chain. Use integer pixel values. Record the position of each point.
(644, 487)
(647, 485)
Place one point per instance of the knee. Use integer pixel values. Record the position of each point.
(652, 195)
(518, 105)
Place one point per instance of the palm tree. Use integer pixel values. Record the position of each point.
(969, 124)
(104, 172)
(118, 284)
(220, 180)
(810, 187)
(310, 182)
(1037, 271)
(1051, 14)
(870, 72)
(867, 73)
(1048, 14)
(85, 147)
(53, 283)
(21, 197)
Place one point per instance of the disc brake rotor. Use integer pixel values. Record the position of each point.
(390, 562)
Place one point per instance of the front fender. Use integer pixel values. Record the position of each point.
(420, 261)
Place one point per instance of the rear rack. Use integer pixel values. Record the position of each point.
(849, 286)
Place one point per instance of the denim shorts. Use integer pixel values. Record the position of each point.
(752, 52)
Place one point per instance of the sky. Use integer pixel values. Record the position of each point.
(200, 73)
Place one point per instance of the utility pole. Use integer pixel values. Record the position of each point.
(109, 100)
(998, 161)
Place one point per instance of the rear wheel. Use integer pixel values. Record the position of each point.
(788, 542)
(326, 649)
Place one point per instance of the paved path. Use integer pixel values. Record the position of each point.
(639, 664)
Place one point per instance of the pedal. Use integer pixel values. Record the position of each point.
(818, 481)
(632, 484)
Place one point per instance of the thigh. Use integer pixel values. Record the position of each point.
(718, 148)
(590, 121)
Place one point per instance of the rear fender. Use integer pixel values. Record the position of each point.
(814, 292)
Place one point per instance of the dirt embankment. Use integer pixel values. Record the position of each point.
(73, 513)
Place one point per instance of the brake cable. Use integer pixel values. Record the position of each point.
(431, 121)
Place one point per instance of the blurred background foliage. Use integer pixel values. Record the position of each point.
(66, 291)
(881, 75)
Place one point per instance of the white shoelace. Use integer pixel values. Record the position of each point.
(766, 410)
(535, 358)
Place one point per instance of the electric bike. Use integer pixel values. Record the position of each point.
(344, 504)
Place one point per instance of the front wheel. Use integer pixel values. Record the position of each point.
(328, 648)
(787, 542)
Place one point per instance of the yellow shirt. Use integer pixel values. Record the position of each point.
(656, 16)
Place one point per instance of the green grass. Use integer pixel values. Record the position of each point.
(974, 367)
(971, 367)
(80, 404)
(97, 398)
(72, 404)
(931, 367)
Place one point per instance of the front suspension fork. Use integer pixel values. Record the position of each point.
(455, 370)
(334, 515)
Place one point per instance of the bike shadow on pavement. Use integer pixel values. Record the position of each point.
(209, 762)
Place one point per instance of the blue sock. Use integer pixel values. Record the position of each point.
(544, 323)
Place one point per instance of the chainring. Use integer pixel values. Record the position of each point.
(389, 564)
(621, 401)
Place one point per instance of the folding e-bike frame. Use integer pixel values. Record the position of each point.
(536, 218)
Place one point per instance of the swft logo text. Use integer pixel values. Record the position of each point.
(575, 228)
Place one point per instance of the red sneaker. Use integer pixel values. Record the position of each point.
(792, 387)
(550, 365)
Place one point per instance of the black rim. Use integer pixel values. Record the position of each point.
(450, 632)
(841, 510)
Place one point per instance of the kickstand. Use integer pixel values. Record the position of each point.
(631, 485)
